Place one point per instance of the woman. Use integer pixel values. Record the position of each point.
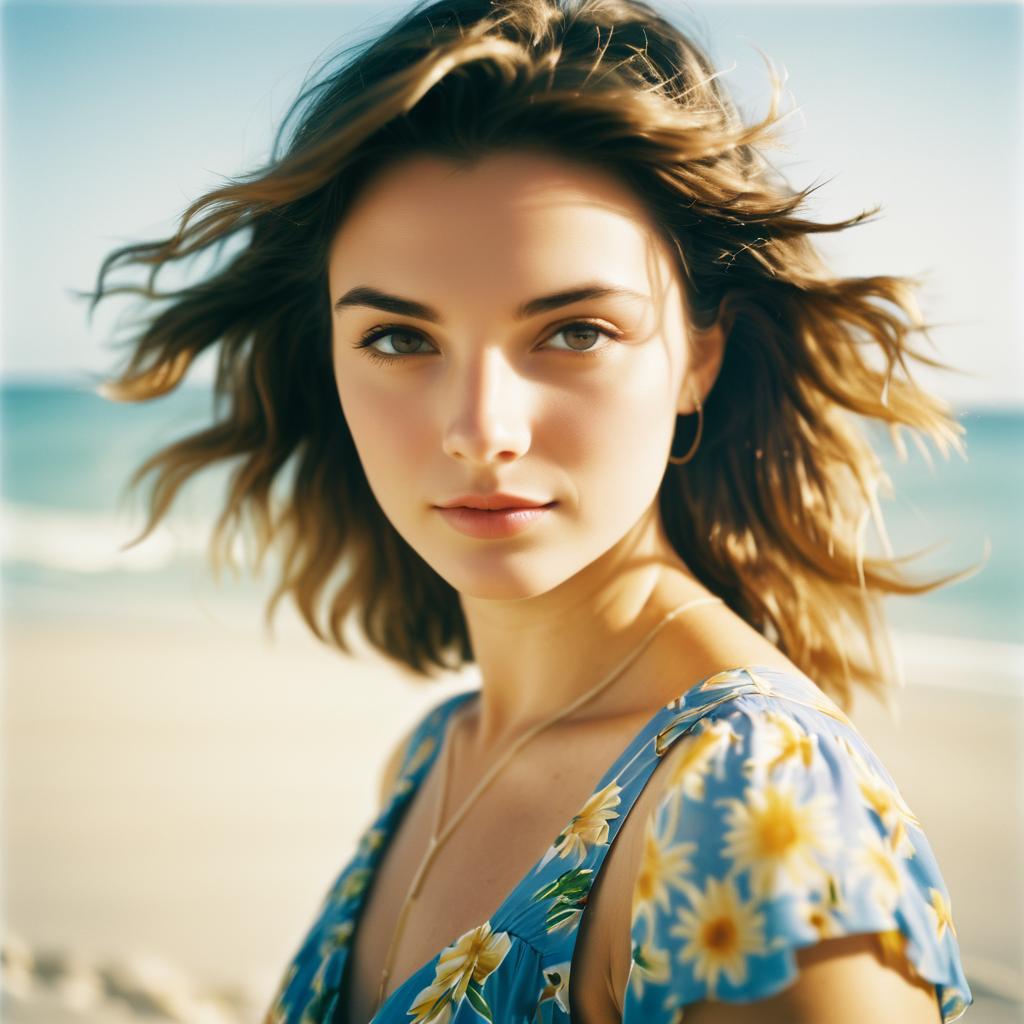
(508, 248)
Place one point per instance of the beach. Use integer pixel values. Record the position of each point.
(178, 798)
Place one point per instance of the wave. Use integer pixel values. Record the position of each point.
(79, 541)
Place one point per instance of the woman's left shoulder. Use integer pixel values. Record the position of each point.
(775, 827)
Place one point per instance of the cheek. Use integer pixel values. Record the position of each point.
(614, 441)
(387, 430)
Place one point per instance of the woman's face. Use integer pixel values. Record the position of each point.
(476, 390)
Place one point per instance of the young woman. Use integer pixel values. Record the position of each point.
(563, 389)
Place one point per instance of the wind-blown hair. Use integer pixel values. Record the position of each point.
(772, 511)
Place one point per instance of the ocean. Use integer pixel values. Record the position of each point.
(67, 454)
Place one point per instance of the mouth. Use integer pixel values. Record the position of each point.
(507, 508)
(494, 522)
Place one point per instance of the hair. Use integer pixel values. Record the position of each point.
(771, 512)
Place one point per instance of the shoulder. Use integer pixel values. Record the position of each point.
(777, 850)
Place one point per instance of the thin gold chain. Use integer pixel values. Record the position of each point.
(436, 840)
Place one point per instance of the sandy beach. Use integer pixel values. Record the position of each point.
(177, 799)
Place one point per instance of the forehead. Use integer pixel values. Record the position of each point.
(507, 219)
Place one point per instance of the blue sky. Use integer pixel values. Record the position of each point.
(116, 116)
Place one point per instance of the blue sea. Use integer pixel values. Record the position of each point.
(67, 454)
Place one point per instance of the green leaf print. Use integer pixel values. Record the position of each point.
(568, 894)
(475, 995)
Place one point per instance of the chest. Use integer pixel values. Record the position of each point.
(491, 849)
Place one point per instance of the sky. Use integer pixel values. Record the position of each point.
(116, 116)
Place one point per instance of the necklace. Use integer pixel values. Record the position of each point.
(436, 840)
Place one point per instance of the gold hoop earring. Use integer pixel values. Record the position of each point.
(680, 460)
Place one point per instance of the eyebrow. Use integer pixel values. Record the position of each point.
(375, 299)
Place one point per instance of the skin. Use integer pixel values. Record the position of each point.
(484, 401)
(488, 402)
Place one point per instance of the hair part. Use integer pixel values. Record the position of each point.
(770, 514)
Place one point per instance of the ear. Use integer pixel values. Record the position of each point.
(707, 347)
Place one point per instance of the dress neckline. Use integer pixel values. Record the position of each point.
(740, 676)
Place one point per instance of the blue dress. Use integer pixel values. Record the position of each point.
(778, 827)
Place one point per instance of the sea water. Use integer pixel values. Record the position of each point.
(65, 515)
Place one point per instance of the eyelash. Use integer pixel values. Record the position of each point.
(385, 329)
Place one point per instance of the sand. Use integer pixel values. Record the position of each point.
(178, 798)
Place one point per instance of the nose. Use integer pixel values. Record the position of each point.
(486, 411)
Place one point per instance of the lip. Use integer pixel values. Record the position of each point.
(489, 523)
(495, 500)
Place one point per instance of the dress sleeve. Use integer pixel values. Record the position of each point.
(778, 827)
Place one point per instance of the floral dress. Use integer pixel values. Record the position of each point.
(778, 827)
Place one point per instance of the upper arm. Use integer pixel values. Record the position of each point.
(842, 981)
(783, 878)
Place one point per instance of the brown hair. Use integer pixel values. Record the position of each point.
(771, 512)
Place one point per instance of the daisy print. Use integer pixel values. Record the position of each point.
(878, 861)
(649, 964)
(821, 911)
(782, 741)
(886, 801)
(664, 863)
(779, 838)
(720, 931)
(941, 912)
(707, 745)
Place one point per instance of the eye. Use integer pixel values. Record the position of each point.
(404, 334)
(580, 332)
(586, 329)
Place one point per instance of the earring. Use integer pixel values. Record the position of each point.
(679, 460)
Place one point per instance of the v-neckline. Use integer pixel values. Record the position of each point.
(394, 813)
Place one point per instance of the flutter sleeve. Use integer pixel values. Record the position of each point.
(779, 827)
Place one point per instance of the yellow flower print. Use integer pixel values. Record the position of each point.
(422, 752)
(729, 678)
(351, 885)
(782, 740)
(878, 861)
(371, 839)
(663, 864)
(777, 837)
(721, 931)
(317, 984)
(649, 964)
(820, 910)
(556, 986)
(884, 799)
(589, 826)
(461, 971)
(892, 946)
(942, 911)
(336, 937)
(711, 740)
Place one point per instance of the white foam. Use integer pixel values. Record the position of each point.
(91, 542)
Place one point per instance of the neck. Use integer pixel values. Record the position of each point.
(536, 655)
